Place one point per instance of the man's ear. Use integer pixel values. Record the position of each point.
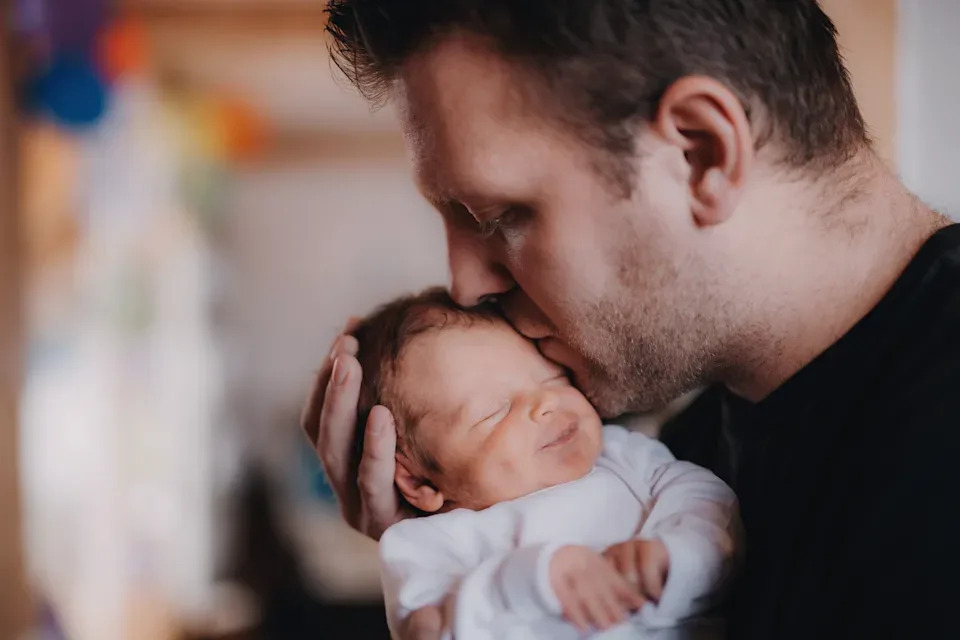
(707, 121)
(415, 488)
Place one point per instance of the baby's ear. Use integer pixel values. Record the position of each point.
(417, 489)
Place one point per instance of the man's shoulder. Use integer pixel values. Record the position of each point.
(920, 372)
(927, 312)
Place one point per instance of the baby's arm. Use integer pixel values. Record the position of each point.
(482, 593)
(450, 563)
(420, 566)
(693, 513)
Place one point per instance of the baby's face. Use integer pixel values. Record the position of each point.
(500, 419)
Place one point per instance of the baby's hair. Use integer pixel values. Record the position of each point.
(382, 337)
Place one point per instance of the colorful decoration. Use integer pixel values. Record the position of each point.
(73, 25)
(80, 54)
(243, 131)
(122, 49)
(222, 128)
(70, 91)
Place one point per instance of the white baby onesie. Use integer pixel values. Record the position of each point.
(496, 562)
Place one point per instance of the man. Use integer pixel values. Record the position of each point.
(668, 194)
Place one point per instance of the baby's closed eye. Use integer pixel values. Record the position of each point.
(560, 380)
(499, 414)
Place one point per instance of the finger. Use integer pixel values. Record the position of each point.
(352, 323)
(631, 565)
(425, 623)
(310, 416)
(595, 610)
(653, 574)
(338, 420)
(612, 556)
(628, 594)
(345, 344)
(627, 565)
(577, 615)
(621, 559)
(626, 597)
(572, 611)
(608, 598)
(377, 469)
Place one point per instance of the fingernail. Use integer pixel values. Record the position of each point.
(333, 348)
(380, 426)
(339, 372)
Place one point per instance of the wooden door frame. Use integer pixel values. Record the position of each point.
(15, 601)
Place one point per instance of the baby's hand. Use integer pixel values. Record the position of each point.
(426, 623)
(642, 563)
(590, 591)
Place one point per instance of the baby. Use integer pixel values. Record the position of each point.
(542, 523)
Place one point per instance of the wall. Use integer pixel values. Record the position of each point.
(868, 42)
(929, 93)
(308, 246)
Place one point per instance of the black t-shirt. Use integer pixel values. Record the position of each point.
(849, 474)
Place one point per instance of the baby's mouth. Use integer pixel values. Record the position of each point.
(563, 437)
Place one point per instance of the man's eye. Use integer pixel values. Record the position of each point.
(490, 227)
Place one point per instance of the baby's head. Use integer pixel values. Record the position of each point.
(481, 416)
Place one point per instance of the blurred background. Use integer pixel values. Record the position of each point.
(191, 204)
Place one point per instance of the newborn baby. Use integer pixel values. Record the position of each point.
(541, 523)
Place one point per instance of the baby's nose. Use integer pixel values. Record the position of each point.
(544, 404)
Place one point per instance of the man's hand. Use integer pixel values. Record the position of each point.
(368, 499)
(590, 591)
(642, 563)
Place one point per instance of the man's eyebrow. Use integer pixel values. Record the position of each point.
(433, 192)
(448, 206)
(439, 200)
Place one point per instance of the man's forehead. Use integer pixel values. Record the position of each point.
(459, 99)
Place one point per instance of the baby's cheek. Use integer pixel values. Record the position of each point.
(501, 478)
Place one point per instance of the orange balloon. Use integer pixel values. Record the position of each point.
(123, 49)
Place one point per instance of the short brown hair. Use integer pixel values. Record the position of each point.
(606, 63)
(382, 337)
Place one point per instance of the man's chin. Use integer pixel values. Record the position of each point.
(603, 396)
(610, 398)
(611, 401)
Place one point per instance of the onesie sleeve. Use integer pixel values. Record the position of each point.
(425, 564)
(693, 513)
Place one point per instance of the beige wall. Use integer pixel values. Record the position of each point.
(868, 33)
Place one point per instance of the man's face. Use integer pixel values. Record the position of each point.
(619, 290)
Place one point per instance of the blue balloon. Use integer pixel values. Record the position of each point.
(71, 92)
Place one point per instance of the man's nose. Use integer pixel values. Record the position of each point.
(475, 274)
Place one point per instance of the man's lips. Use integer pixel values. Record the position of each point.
(531, 331)
(551, 349)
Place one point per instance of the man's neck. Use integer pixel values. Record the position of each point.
(841, 261)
